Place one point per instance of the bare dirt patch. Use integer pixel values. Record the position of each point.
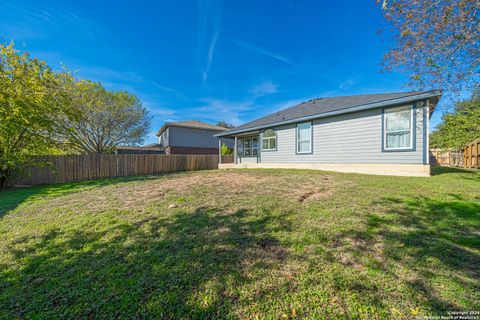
(221, 185)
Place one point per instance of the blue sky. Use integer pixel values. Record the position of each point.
(210, 60)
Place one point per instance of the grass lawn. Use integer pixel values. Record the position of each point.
(243, 244)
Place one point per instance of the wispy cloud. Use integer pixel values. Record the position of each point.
(211, 50)
(264, 52)
(26, 21)
(208, 32)
(263, 89)
(349, 83)
(217, 109)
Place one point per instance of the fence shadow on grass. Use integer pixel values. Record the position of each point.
(185, 267)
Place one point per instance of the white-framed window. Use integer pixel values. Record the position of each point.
(248, 147)
(398, 128)
(304, 137)
(269, 140)
(240, 147)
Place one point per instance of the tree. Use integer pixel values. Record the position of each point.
(225, 150)
(32, 105)
(105, 119)
(225, 124)
(459, 127)
(436, 42)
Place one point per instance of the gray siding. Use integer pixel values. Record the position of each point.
(200, 138)
(348, 138)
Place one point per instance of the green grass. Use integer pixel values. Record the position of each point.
(251, 244)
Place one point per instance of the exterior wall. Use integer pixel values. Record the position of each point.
(191, 150)
(199, 138)
(408, 170)
(248, 159)
(139, 151)
(163, 139)
(349, 138)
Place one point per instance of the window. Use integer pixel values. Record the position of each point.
(304, 137)
(240, 147)
(248, 147)
(255, 146)
(398, 124)
(269, 140)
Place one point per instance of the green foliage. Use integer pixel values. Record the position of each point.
(459, 127)
(32, 107)
(226, 150)
(105, 119)
(436, 42)
(225, 124)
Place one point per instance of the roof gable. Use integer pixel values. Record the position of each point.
(193, 124)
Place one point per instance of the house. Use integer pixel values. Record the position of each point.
(153, 148)
(191, 137)
(371, 133)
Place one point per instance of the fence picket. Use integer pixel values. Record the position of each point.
(95, 166)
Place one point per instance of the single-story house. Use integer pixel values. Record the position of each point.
(191, 137)
(153, 148)
(370, 133)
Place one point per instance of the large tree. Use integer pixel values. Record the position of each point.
(436, 42)
(459, 127)
(105, 119)
(32, 106)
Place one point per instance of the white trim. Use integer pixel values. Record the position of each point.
(385, 132)
(427, 149)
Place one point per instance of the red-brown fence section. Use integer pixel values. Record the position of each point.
(96, 166)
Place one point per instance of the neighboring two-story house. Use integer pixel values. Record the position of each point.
(191, 137)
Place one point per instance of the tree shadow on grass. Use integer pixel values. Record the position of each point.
(434, 240)
(190, 266)
(437, 170)
(11, 198)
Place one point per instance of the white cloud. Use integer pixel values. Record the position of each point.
(211, 50)
(349, 83)
(264, 52)
(263, 89)
(217, 110)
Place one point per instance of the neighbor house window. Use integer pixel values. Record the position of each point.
(304, 137)
(269, 140)
(398, 124)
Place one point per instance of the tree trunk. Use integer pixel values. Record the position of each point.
(3, 182)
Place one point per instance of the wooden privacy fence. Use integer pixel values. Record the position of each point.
(471, 155)
(96, 166)
(440, 157)
(469, 158)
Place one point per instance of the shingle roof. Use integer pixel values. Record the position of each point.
(191, 124)
(328, 106)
